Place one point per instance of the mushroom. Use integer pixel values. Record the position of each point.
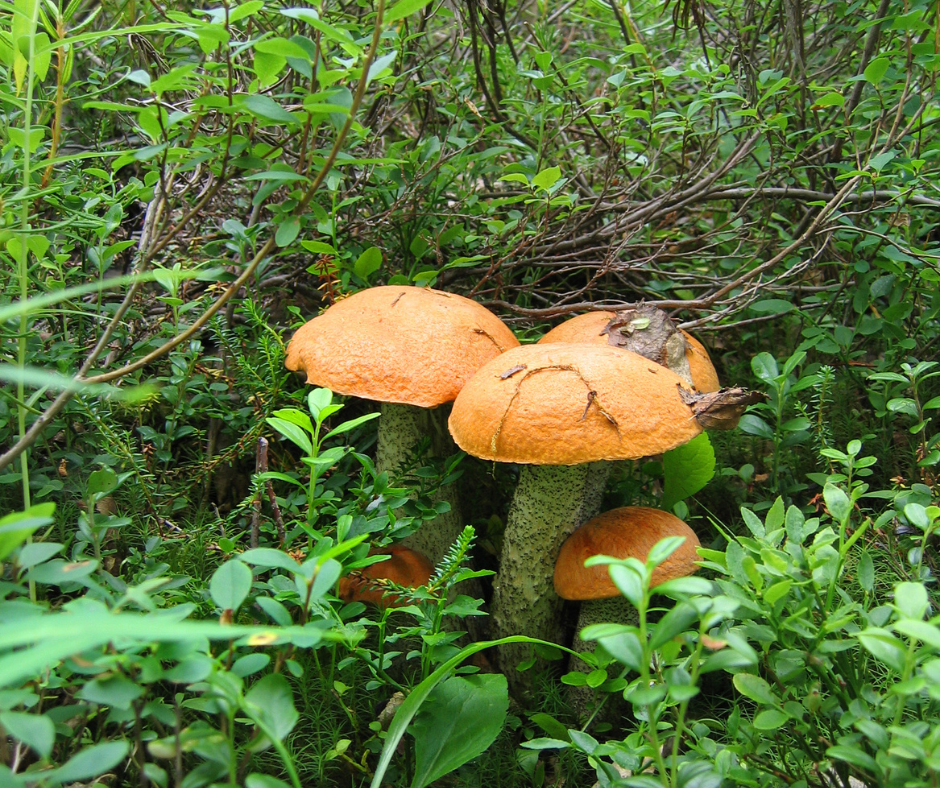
(563, 411)
(411, 349)
(595, 327)
(628, 532)
(405, 567)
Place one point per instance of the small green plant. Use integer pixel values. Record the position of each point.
(830, 681)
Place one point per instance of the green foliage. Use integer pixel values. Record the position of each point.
(182, 186)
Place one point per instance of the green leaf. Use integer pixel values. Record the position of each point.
(282, 47)
(287, 231)
(911, 599)
(460, 719)
(293, 433)
(36, 731)
(265, 107)
(764, 366)
(547, 178)
(272, 701)
(91, 762)
(771, 306)
(752, 424)
(853, 756)
(927, 633)
(115, 691)
(837, 502)
(368, 263)
(550, 725)
(404, 8)
(875, 71)
(829, 100)
(885, 647)
(16, 527)
(866, 571)
(102, 482)
(268, 557)
(674, 623)
(770, 720)
(419, 695)
(245, 10)
(230, 585)
(687, 469)
(755, 688)
(256, 780)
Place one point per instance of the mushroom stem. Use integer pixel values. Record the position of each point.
(615, 610)
(549, 503)
(401, 429)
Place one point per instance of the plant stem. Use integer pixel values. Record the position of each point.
(24, 263)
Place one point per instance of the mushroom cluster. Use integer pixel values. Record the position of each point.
(600, 388)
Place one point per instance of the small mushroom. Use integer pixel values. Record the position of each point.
(601, 328)
(405, 567)
(563, 411)
(628, 532)
(412, 349)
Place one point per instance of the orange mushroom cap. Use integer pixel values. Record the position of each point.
(410, 345)
(405, 567)
(565, 404)
(631, 531)
(589, 327)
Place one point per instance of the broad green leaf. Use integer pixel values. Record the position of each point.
(244, 10)
(91, 762)
(461, 717)
(272, 701)
(911, 599)
(230, 585)
(403, 8)
(770, 720)
(547, 178)
(674, 623)
(268, 557)
(875, 71)
(36, 731)
(419, 695)
(266, 107)
(101, 482)
(115, 691)
(368, 262)
(755, 688)
(687, 469)
(16, 527)
(927, 633)
(765, 367)
(837, 502)
(771, 306)
(287, 231)
(885, 647)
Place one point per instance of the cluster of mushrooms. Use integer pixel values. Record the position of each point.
(599, 388)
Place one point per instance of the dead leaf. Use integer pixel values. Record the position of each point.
(720, 410)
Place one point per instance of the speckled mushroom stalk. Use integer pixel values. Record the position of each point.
(411, 349)
(564, 411)
(549, 503)
(401, 430)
